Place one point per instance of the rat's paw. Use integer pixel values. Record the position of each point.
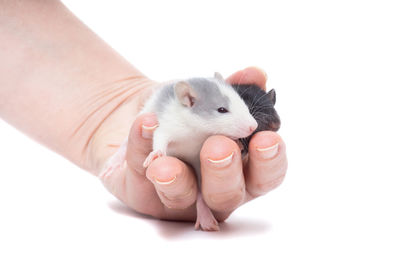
(110, 169)
(206, 222)
(152, 156)
(205, 219)
(116, 162)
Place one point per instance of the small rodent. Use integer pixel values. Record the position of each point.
(188, 112)
(262, 107)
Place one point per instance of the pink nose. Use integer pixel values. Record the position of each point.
(252, 128)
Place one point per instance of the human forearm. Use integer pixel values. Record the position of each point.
(58, 81)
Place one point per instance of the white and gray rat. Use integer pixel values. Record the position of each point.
(188, 112)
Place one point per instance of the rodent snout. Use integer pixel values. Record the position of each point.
(253, 125)
(274, 126)
(244, 128)
(251, 128)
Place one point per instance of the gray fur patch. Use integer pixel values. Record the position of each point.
(209, 97)
(166, 95)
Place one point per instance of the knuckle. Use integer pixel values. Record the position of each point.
(158, 214)
(153, 212)
(265, 181)
(178, 201)
(266, 186)
(226, 201)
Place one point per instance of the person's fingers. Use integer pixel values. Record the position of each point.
(222, 182)
(140, 142)
(250, 75)
(128, 182)
(267, 163)
(174, 182)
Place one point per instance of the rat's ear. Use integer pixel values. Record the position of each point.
(271, 95)
(218, 76)
(185, 93)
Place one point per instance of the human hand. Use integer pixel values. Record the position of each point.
(167, 188)
(81, 98)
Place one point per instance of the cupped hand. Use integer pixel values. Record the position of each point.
(167, 189)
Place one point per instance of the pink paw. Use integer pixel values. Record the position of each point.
(110, 170)
(206, 223)
(205, 218)
(152, 156)
(116, 162)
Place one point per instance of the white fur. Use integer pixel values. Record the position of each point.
(237, 122)
(181, 132)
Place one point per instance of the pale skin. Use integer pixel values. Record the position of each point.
(67, 89)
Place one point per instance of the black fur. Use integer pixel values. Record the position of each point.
(261, 105)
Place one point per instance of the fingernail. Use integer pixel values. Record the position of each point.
(222, 162)
(268, 152)
(147, 131)
(165, 181)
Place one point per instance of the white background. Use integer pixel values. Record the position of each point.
(335, 66)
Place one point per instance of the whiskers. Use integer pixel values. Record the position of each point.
(261, 107)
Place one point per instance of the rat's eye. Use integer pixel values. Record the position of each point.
(222, 110)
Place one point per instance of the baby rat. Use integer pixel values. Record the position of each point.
(188, 112)
(262, 107)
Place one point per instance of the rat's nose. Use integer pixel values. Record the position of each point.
(253, 127)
